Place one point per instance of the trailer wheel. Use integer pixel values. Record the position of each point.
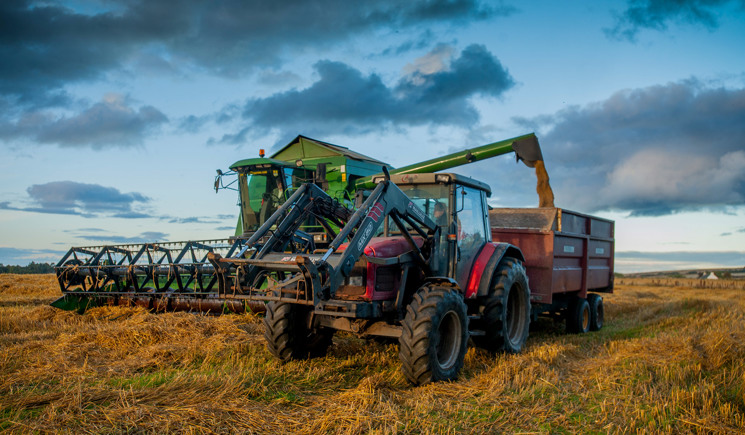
(288, 336)
(596, 311)
(434, 340)
(505, 316)
(578, 316)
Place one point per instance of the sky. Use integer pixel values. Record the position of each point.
(114, 114)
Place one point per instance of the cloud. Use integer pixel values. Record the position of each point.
(433, 92)
(145, 237)
(191, 220)
(656, 182)
(110, 122)
(650, 151)
(435, 61)
(87, 200)
(658, 14)
(52, 45)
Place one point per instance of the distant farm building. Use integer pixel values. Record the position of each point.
(711, 276)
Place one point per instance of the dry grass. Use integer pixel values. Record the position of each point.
(668, 360)
(738, 284)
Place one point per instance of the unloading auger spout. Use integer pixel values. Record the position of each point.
(525, 147)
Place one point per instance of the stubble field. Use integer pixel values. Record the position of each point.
(670, 359)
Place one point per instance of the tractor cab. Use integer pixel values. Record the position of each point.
(458, 205)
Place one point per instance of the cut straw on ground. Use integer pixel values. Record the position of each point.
(669, 360)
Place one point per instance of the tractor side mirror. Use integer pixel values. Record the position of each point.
(217, 180)
(462, 199)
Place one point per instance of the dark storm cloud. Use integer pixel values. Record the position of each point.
(658, 14)
(49, 45)
(230, 35)
(650, 151)
(88, 200)
(46, 45)
(111, 122)
(344, 96)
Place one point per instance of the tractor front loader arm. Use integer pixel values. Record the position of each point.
(386, 200)
(308, 201)
(313, 279)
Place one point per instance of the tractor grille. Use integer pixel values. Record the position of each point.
(385, 278)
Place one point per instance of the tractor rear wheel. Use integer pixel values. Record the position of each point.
(505, 316)
(578, 316)
(288, 336)
(597, 312)
(434, 340)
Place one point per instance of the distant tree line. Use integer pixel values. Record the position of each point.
(31, 268)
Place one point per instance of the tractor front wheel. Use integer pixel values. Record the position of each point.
(288, 336)
(434, 340)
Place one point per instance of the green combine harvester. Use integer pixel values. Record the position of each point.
(177, 276)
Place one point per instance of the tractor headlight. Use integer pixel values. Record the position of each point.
(356, 280)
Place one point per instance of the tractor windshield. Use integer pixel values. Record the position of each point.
(261, 192)
(432, 198)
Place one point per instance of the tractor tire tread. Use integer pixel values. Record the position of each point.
(493, 320)
(416, 343)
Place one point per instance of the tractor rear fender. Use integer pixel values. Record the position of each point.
(485, 266)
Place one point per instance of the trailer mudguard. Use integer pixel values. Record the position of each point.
(486, 264)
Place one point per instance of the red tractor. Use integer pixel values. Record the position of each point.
(416, 261)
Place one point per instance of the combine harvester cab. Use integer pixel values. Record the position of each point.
(265, 183)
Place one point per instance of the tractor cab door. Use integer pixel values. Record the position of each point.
(471, 221)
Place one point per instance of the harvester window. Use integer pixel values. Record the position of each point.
(261, 192)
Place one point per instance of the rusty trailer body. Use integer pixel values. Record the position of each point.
(566, 253)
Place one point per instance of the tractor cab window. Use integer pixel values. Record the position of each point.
(471, 231)
(433, 199)
(261, 192)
